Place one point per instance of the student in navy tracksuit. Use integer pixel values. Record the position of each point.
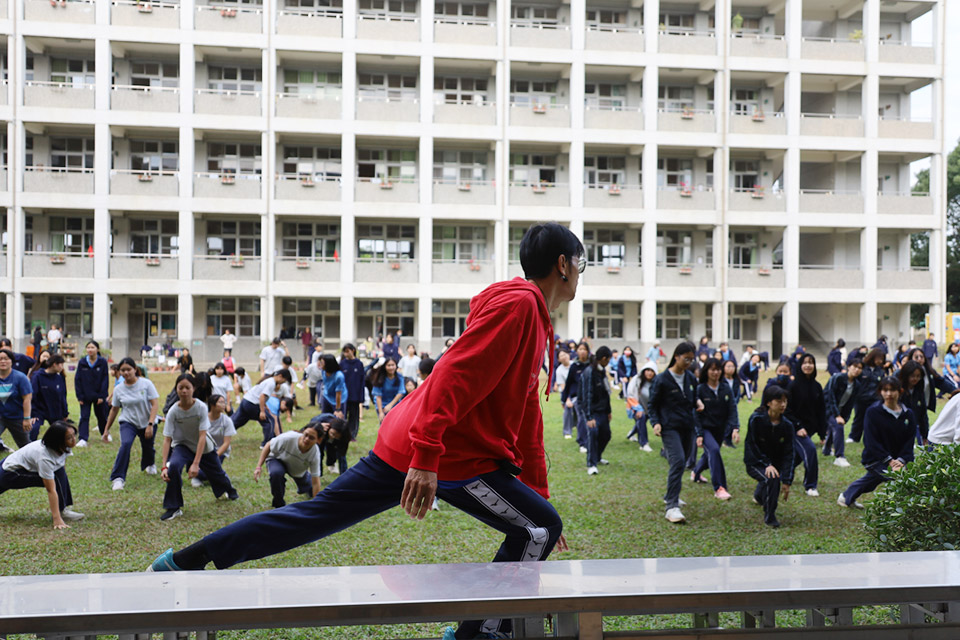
(874, 366)
(673, 403)
(749, 375)
(768, 452)
(92, 386)
(49, 401)
(719, 416)
(888, 433)
(932, 382)
(929, 348)
(626, 368)
(572, 388)
(911, 376)
(882, 345)
(783, 378)
(839, 397)
(593, 402)
(352, 370)
(860, 352)
(807, 410)
(835, 358)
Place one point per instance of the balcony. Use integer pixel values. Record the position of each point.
(146, 15)
(479, 192)
(51, 264)
(758, 46)
(756, 199)
(290, 269)
(832, 49)
(292, 105)
(830, 276)
(387, 190)
(610, 38)
(143, 267)
(73, 12)
(4, 84)
(913, 278)
(905, 204)
(613, 196)
(127, 182)
(380, 108)
(227, 185)
(696, 275)
(135, 98)
(539, 115)
(58, 95)
(467, 31)
(904, 128)
(702, 43)
(539, 35)
(302, 187)
(400, 270)
(686, 199)
(462, 272)
(831, 124)
(58, 180)
(687, 120)
(465, 113)
(315, 24)
(755, 277)
(623, 118)
(603, 275)
(767, 124)
(228, 103)
(230, 268)
(383, 27)
(545, 194)
(906, 53)
(234, 19)
(830, 201)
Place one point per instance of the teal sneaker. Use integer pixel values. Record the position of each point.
(164, 562)
(451, 634)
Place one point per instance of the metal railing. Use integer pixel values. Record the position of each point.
(313, 13)
(538, 105)
(152, 4)
(925, 120)
(747, 35)
(611, 107)
(484, 102)
(310, 97)
(613, 28)
(464, 183)
(145, 174)
(39, 168)
(912, 194)
(905, 43)
(63, 86)
(830, 267)
(228, 93)
(830, 192)
(230, 6)
(832, 116)
(535, 24)
(143, 89)
(227, 177)
(686, 111)
(676, 31)
(405, 99)
(387, 17)
(831, 40)
(466, 21)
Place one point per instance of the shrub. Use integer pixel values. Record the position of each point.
(920, 509)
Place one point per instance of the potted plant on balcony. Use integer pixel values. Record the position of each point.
(539, 107)
(613, 269)
(686, 270)
(856, 35)
(145, 177)
(464, 186)
(228, 13)
(687, 113)
(303, 263)
(228, 178)
(395, 266)
(58, 258)
(763, 271)
(757, 192)
(386, 185)
(144, 7)
(539, 187)
(236, 261)
(685, 190)
(152, 261)
(613, 190)
(307, 181)
(737, 23)
(758, 116)
(473, 266)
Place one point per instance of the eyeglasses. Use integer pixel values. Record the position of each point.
(581, 264)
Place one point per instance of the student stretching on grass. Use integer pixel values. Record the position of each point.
(768, 452)
(476, 441)
(839, 398)
(221, 431)
(253, 406)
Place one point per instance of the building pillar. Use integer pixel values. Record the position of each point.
(185, 320)
(791, 325)
(575, 307)
(348, 315)
(868, 322)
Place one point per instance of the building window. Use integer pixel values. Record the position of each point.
(154, 237)
(533, 168)
(234, 158)
(449, 318)
(605, 247)
(534, 16)
(311, 82)
(71, 235)
(606, 19)
(322, 316)
(231, 238)
(455, 90)
(159, 316)
(319, 163)
(674, 247)
(603, 320)
(392, 87)
(674, 173)
(676, 22)
(673, 98)
(673, 321)
(745, 102)
(459, 167)
(605, 96)
(154, 155)
(533, 92)
(308, 240)
(223, 79)
(394, 165)
(76, 73)
(74, 314)
(743, 322)
(72, 153)
(386, 242)
(462, 12)
(380, 317)
(314, 6)
(390, 9)
(459, 244)
(516, 235)
(603, 171)
(746, 175)
(744, 248)
(240, 315)
(708, 321)
(155, 74)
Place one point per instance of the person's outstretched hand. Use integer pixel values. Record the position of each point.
(419, 490)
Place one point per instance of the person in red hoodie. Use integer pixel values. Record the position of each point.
(476, 442)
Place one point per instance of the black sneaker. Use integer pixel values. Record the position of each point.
(232, 494)
(772, 523)
(277, 504)
(170, 514)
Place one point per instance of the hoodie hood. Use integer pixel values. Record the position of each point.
(649, 365)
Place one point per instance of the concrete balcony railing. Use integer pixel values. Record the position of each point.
(3, 180)
(58, 180)
(133, 98)
(128, 182)
(462, 271)
(325, 107)
(768, 124)
(906, 53)
(235, 19)
(611, 38)
(829, 276)
(686, 199)
(905, 128)
(52, 264)
(468, 31)
(758, 45)
(387, 190)
(400, 270)
(227, 185)
(685, 275)
(912, 278)
(687, 120)
(613, 274)
(830, 201)
(749, 276)
(909, 204)
(138, 266)
(231, 268)
(465, 113)
(59, 95)
(757, 199)
(832, 49)
(701, 43)
(383, 108)
(320, 23)
(290, 269)
(546, 194)
(306, 187)
(623, 118)
(613, 196)
(539, 35)
(73, 12)
(148, 15)
(541, 114)
(374, 26)
(831, 124)
(228, 103)
(478, 192)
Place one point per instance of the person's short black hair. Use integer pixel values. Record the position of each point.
(287, 360)
(212, 400)
(53, 360)
(275, 341)
(285, 374)
(329, 363)
(240, 372)
(349, 346)
(185, 376)
(5, 342)
(543, 243)
(773, 392)
(856, 362)
(603, 352)
(426, 366)
(55, 437)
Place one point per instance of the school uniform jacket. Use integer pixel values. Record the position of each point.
(869, 383)
(594, 398)
(836, 387)
(49, 400)
(353, 377)
(887, 438)
(782, 381)
(670, 406)
(572, 387)
(834, 362)
(719, 415)
(768, 444)
(91, 382)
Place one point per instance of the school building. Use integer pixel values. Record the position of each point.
(741, 169)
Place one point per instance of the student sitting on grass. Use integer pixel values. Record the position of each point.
(768, 452)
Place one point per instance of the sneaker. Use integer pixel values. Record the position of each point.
(697, 479)
(81, 444)
(117, 484)
(604, 461)
(754, 500)
(436, 504)
(450, 634)
(841, 462)
(722, 494)
(592, 471)
(170, 514)
(813, 493)
(633, 438)
(827, 451)
(568, 437)
(332, 469)
(843, 502)
(70, 515)
(232, 494)
(152, 471)
(849, 440)
(109, 438)
(675, 515)
(646, 447)
(774, 524)
(196, 483)
(164, 562)
(583, 449)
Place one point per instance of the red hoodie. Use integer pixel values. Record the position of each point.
(481, 403)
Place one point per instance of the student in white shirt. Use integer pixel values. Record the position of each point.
(312, 375)
(228, 340)
(221, 432)
(253, 405)
(295, 453)
(136, 401)
(271, 357)
(222, 383)
(410, 363)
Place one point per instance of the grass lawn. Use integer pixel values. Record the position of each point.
(616, 514)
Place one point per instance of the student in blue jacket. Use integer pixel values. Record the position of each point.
(719, 416)
(768, 452)
(92, 386)
(835, 358)
(888, 432)
(352, 370)
(840, 396)
(49, 401)
(334, 397)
